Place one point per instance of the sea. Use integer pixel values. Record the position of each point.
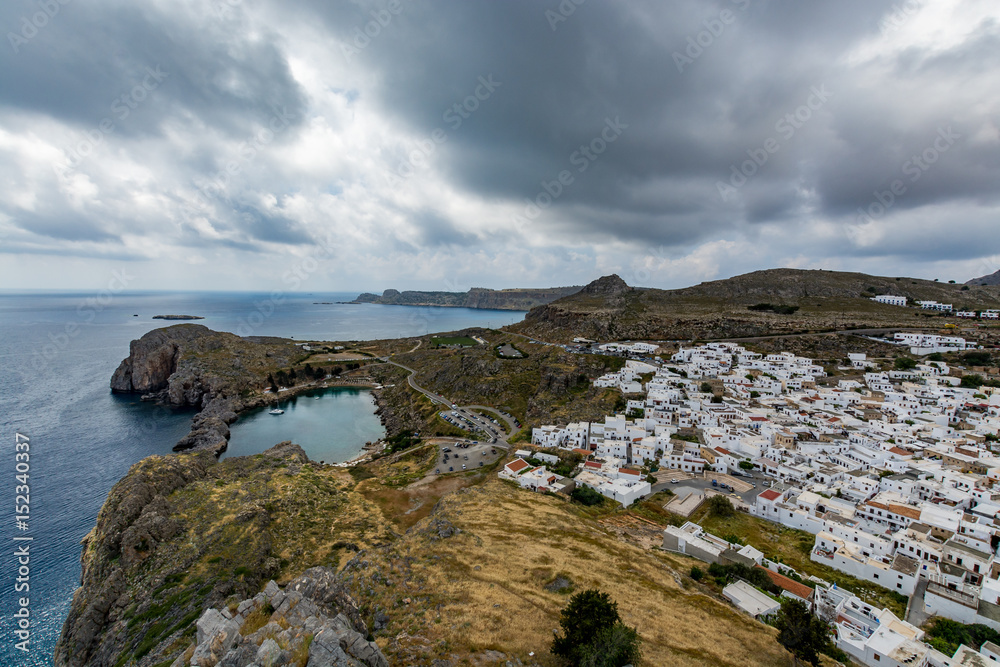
(67, 439)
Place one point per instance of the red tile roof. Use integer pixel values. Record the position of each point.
(517, 466)
(790, 585)
(770, 494)
(629, 472)
(593, 465)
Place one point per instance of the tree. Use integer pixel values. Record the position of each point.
(586, 496)
(721, 507)
(800, 632)
(905, 364)
(613, 647)
(593, 634)
(706, 388)
(745, 465)
(587, 613)
(972, 381)
(696, 573)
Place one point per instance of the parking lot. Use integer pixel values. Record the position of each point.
(452, 456)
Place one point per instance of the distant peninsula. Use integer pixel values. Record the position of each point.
(477, 297)
(178, 317)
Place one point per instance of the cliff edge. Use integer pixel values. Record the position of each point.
(191, 365)
(174, 571)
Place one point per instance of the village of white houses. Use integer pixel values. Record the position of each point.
(892, 474)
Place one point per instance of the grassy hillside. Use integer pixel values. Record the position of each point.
(547, 385)
(462, 568)
(478, 574)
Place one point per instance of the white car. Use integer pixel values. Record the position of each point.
(673, 481)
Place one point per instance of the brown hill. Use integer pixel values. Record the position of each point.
(812, 300)
(992, 279)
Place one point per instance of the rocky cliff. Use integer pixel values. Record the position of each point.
(174, 572)
(191, 365)
(477, 297)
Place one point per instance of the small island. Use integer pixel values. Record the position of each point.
(178, 317)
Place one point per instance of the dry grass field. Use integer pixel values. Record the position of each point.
(472, 577)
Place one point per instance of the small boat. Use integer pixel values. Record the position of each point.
(276, 411)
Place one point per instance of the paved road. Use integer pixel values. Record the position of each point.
(700, 485)
(915, 613)
(464, 411)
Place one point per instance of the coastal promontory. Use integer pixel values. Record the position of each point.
(477, 297)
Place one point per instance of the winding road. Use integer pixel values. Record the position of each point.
(464, 411)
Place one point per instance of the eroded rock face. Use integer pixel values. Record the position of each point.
(148, 367)
(134, 519)
(130, 555)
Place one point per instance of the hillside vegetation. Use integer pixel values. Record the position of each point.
(821, 300)
(464, 567)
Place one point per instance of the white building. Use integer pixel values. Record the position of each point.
(890, 300)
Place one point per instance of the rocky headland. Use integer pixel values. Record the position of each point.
(477, 297)
(178, 317)
(174, 572)
(189, 365)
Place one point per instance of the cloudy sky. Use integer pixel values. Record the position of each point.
(237, 144)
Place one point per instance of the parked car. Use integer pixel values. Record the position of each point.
(451, 469)
(673, 481)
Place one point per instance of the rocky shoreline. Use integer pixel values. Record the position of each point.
(164, 367)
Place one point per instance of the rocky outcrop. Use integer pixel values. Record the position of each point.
(313, 619)
(151, 361)
(216, 372)
(611, 285)
(179, 535)
(133, 521)
(992, 279)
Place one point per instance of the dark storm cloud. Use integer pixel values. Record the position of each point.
(606, 60)
(98, 60)
(649, 122)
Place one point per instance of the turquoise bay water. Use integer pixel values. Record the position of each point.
(57, 354)
(331, 425)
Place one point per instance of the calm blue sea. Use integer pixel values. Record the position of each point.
(57, 354)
